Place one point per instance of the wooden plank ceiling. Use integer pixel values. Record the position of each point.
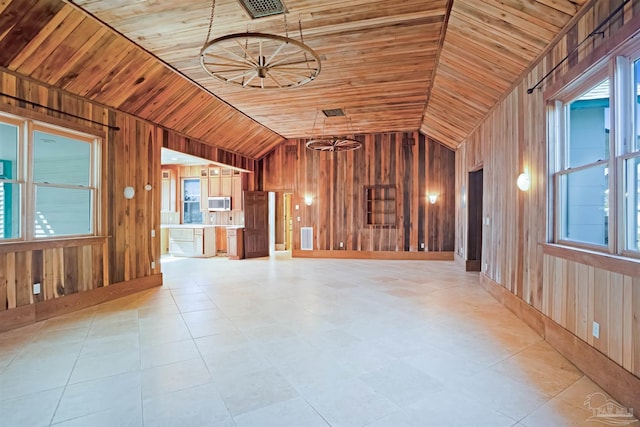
(488, 44)
(392, 65)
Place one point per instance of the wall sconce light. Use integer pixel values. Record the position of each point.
(148, 187)
(308, 200)
(523, 181)
(129, 192)
(433, 198)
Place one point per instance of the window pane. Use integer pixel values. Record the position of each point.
(191, 203)
(61, 160)
(636, 103)
(62, 212)
(632, 206)
(9, 211)
(585, 205)
(8, 151)
(589, 126)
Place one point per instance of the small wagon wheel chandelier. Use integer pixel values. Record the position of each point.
(259, 60)
(333, 143)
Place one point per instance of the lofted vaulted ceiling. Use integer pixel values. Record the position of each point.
(391, 65)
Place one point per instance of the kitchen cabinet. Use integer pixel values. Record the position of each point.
(235, 242)
(204, 190)
(192, 240)
(221, 240)
(237, 186)
(164, 240)
(227, 183)
(214, 182)
(167, 203)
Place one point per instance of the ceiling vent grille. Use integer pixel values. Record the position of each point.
(335, 112)
(263, 8)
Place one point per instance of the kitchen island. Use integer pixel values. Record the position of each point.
(192, 240)
(198, 240)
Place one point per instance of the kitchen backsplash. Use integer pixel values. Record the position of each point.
(167, 217)
(226, 218)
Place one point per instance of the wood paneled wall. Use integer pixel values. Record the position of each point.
(577, 294)
(512, 138)
(131, 157)
(413, 163)
(60, 271)
(54, 42)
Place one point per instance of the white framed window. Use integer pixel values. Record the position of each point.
(48, 181)
(594, 153)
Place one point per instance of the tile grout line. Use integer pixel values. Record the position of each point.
(64, 390)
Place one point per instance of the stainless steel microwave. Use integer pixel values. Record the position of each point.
(219, 203)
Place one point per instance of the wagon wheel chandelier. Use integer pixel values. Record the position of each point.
(333, 143)
(259, 60)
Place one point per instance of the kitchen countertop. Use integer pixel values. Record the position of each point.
(198, 226)
(186, 226)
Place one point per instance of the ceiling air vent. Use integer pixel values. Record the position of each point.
(262, 8)
(336, 112)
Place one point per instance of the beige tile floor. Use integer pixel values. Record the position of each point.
(291, 343)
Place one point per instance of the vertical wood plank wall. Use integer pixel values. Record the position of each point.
(512, 138)
(413, 163)
(132, 159)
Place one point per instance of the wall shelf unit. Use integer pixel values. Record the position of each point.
(380, 206)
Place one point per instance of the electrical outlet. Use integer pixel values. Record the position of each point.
(486, 267)
(298, 219)
(341, 244)
(596, 330)
(422, 245)
(297, 207)
(36, 288)
(153, 265)
(153, 233)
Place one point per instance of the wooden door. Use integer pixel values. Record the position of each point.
(474, 230)
(256, 224)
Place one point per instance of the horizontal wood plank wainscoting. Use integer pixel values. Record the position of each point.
(336, 183)
(558, 291)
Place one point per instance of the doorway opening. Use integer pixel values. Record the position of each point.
(283, 226)
(474, 221)
(288, 222)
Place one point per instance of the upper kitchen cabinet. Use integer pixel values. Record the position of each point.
(214, 182)
(168, 199)
(224, 182)
(238, 185)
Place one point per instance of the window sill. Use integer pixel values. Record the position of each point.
(615, 263)
(34, 245)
